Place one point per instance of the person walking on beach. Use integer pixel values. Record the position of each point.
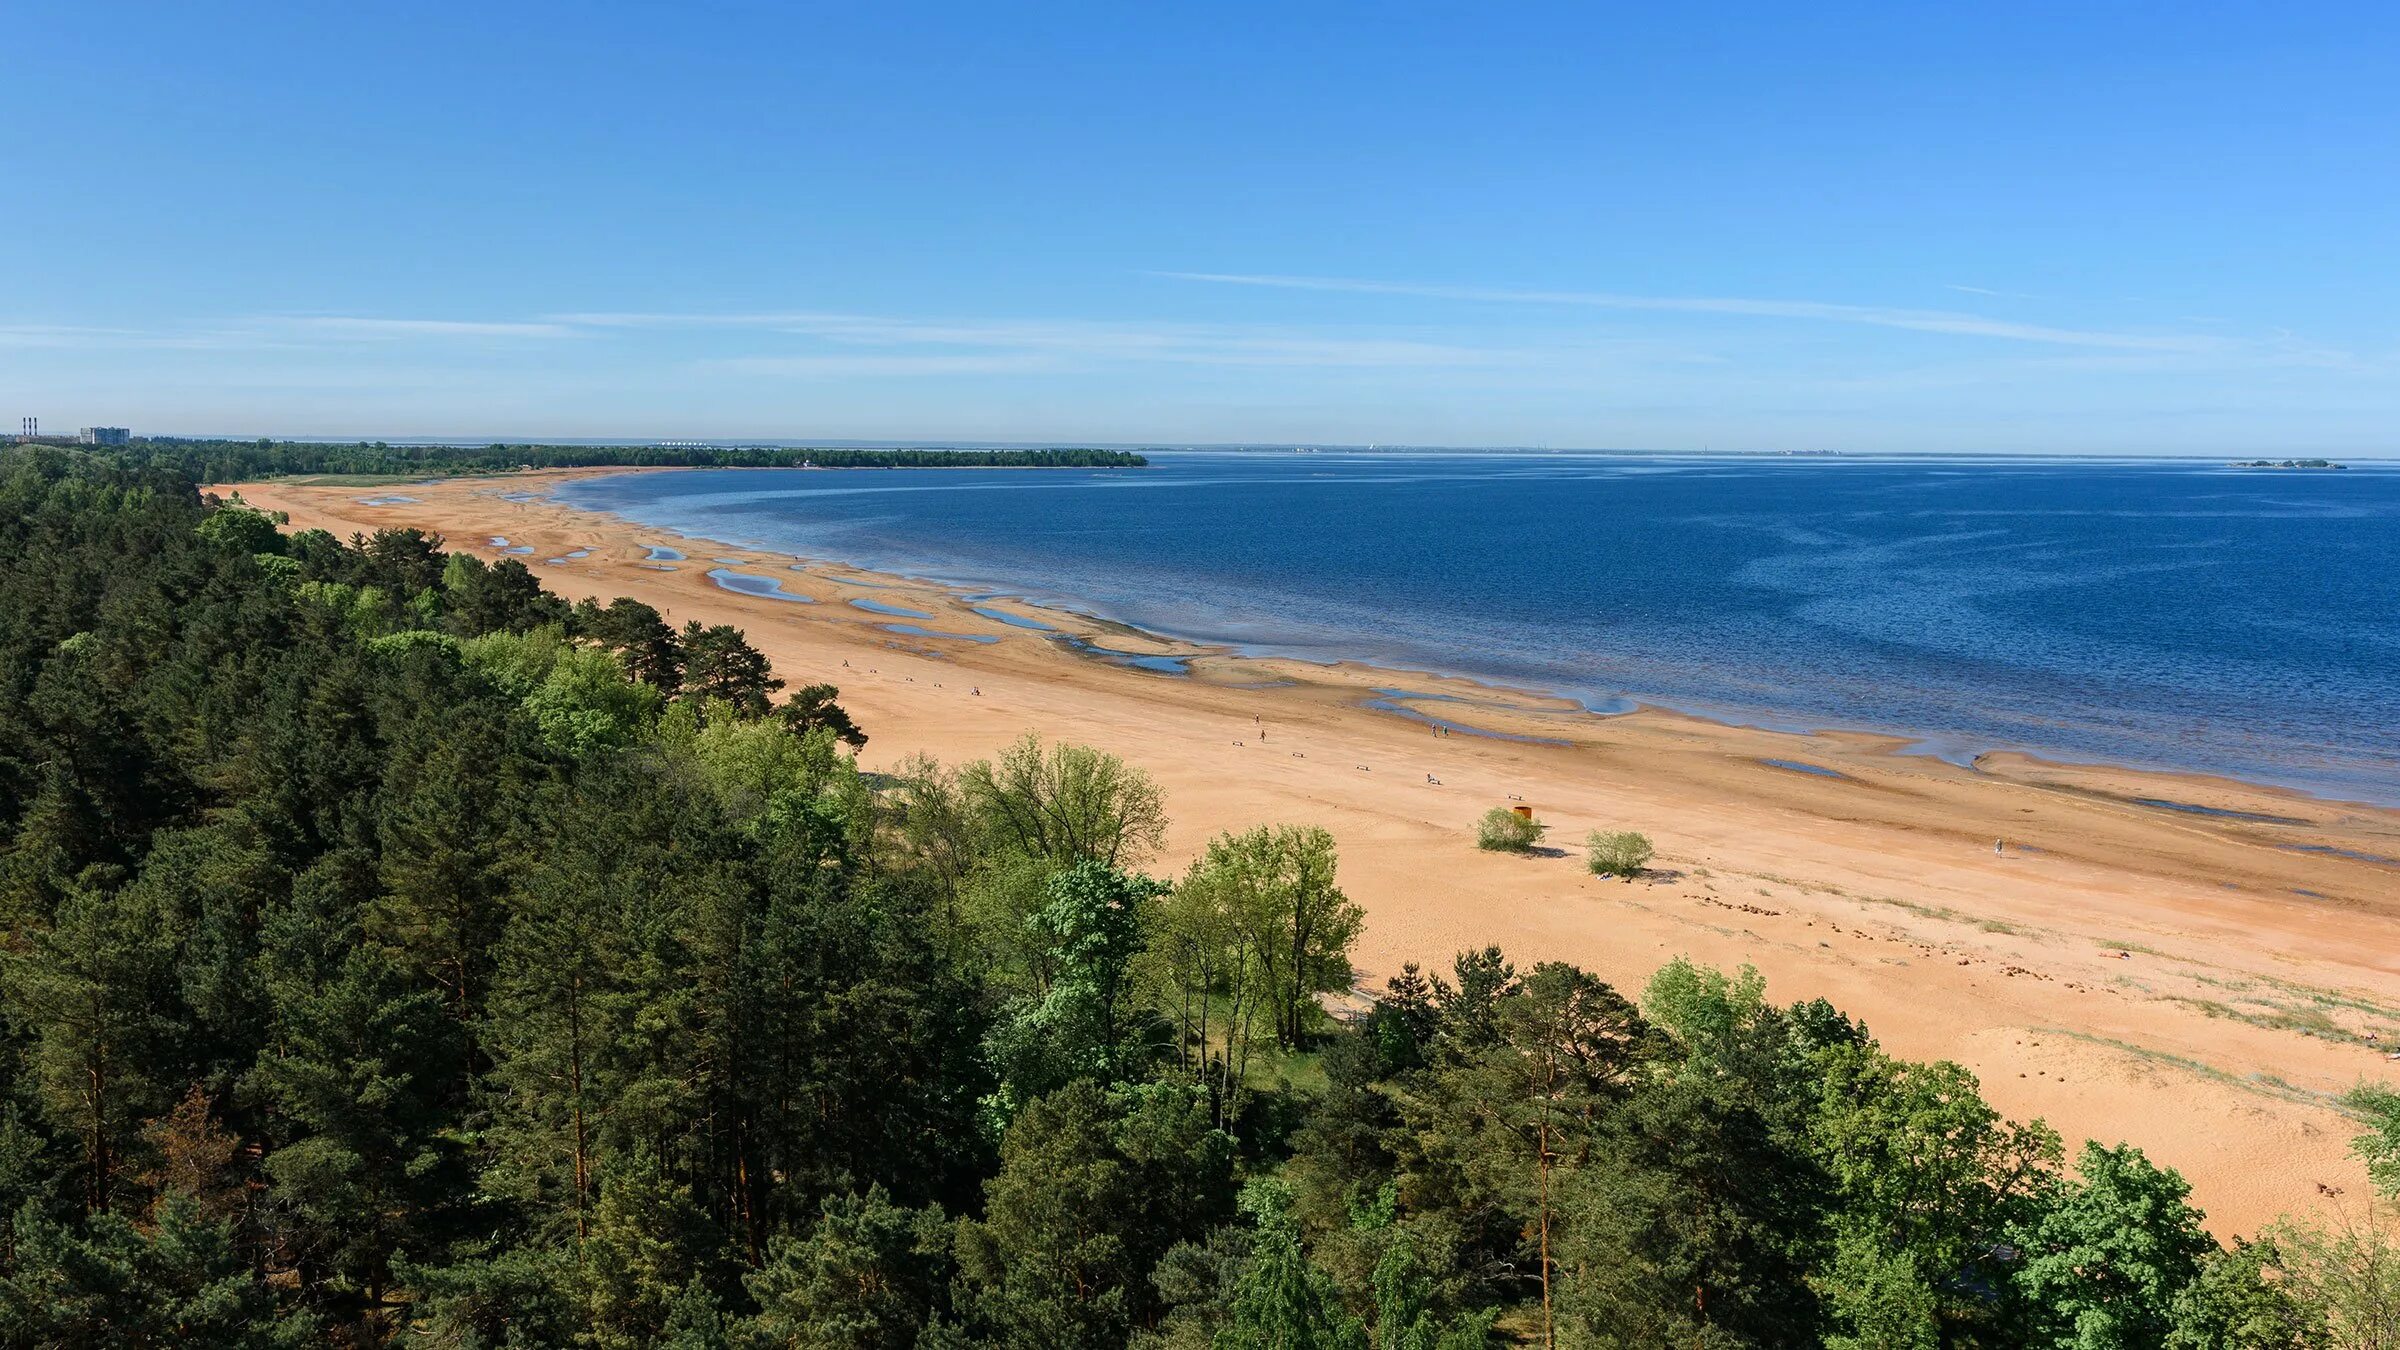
(1999, 847)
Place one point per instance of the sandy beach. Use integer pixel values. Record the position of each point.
(2196, 965)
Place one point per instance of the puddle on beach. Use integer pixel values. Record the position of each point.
(1164, 665)
(767, 588)
(2216, 812)
(1802, 766)
(661, 553)
(385, 501)
(2329, 851)
(914, 631)
(878, 607)
(1013, 620)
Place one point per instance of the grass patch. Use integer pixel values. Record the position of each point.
(2305, 1018)
(2265, 1084)
(355, 479)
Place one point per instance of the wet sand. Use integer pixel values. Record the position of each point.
(2194, 964)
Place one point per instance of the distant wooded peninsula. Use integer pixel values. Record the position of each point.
(220, 461)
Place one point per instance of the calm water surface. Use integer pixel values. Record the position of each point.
(2175, 615)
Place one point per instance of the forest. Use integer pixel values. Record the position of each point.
(229, 461)
(393, 953)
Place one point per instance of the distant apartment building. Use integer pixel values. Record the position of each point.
(104, 435)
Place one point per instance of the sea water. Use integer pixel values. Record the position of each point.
(2166, 614)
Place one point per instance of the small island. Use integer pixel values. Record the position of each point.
(2285, 464)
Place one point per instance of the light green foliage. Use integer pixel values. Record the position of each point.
(241, 529)
(989, 836)
(2344, 1272)
(586, 703)
(1619, 853)
(1212, 975)
(580, 697)
(1283, 1301)
(1882, 1299)
(1085, 1023)
(1064, 804)
(410, 642)
(1920, 1166)
(1705, 1009)
(1404, 1318)
(1502, 830)
(492, 1294)
(517, 662)
(764, 775)
(1270, 893)
(2379, 1147)
(365, 610)
(2237, 1304)
(2106, 1259)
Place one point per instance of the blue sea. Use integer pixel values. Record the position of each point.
(2171, 615)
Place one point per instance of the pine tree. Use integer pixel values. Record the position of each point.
(718, 663)
(358, 1056)
(868, 1276)
(95, 992)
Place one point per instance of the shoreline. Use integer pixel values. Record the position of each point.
(2196, 964)
(1963, 749)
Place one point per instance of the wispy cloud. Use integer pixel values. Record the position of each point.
(674, 319)
(41, 335)
(855, 365)
(1063, 341)
(362, 328)
(1915, 320)
(811, 341)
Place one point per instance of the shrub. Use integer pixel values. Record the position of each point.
(1620, 853)
(1504, 831)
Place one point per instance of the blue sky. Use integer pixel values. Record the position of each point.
(2143, 228)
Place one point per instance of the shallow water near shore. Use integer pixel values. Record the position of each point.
(2168, 615)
